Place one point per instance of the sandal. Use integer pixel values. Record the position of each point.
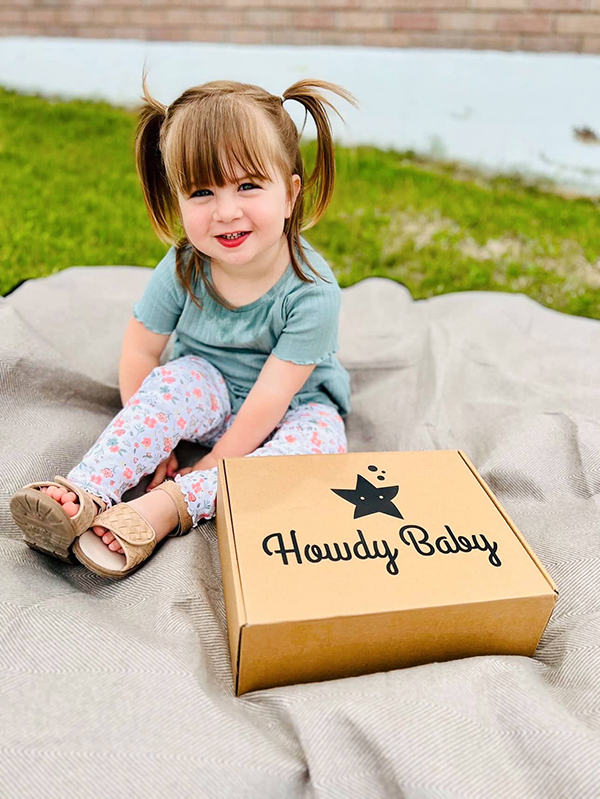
(45, 525)
(135, 535)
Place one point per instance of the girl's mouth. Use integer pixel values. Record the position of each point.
(235, 242)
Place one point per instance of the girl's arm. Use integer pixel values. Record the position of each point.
(140, 354)
(264, 407)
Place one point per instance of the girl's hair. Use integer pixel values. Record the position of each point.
(181, 147)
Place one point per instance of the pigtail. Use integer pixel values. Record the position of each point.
(322, 179)
(151, 166)
(319, 186)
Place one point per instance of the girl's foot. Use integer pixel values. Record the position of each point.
(155, 507)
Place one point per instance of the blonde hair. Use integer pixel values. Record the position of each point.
(179, 147)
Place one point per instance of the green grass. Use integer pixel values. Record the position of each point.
(71, 198)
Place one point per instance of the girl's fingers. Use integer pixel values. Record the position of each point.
(172, 465)
(159, 476)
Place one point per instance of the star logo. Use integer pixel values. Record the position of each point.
(369, 498)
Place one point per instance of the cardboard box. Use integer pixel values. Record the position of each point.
(340, 565)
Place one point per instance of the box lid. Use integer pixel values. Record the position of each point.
(317, 536)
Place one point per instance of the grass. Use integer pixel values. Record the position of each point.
(71, 198)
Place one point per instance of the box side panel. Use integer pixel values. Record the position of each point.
(325, 649)
(509, 521)
(232, 588)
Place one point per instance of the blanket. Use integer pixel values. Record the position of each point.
(124, 688)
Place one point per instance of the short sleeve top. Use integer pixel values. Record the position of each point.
(294, 320)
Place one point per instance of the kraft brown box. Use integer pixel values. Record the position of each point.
(340, 565)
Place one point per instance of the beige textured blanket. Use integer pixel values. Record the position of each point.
(123, 689)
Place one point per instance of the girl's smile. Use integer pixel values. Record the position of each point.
(233, 241)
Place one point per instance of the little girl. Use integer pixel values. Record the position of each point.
(255, 309)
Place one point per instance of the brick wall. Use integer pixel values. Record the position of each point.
(534, 25)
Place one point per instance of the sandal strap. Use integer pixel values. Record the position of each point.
(174, 491)
(131, 530)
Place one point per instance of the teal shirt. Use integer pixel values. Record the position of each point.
(295, 321)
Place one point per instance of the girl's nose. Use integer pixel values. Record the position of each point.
(226, 210)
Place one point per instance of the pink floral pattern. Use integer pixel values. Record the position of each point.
(189, 401)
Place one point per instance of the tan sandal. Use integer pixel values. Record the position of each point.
(132, 532)
(45, 525)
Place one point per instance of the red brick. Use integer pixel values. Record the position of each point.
(27, 30)
(414, 22)
(490, 41)
(386, 39)
(578, 23)
(181, 16)
(314, 19)
(524, 23)
(361, 20)
(148, 17)
(92, 32)
(267, 17)
(44, 16)
(468, 22)
(591, 44)
(13, 16)
(415, 5)
(237, 4)
(557, 5)
(324, 4)
(165, 34)
(499, 5)
(559, 44)
(58, 30)
(471, 41)
(348, 38)
(76, 16)
(452, 41)
(295, 37)
(132, 32)
(247, 36)
(109, 16)
(122, 4)
(218, 18)
(190, 33)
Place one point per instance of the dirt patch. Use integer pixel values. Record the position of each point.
(421, 229)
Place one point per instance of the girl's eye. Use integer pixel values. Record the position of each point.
(252, 185)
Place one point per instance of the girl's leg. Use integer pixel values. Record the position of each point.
(185, 399)
(314, 428)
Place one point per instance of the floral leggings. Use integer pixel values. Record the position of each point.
(187, 399)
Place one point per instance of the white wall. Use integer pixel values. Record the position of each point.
(503, 111)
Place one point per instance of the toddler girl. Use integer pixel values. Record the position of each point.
(255, 309)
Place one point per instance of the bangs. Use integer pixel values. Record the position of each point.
(208, 143)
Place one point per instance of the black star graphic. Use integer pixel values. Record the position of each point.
(369, 498)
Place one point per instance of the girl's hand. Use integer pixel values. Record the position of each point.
(207, 462)
(167, 468)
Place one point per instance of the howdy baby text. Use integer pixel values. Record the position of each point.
(411, 535)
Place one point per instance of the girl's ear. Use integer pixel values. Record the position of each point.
(296, 186)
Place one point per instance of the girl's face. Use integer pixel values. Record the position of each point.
(258, 208)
